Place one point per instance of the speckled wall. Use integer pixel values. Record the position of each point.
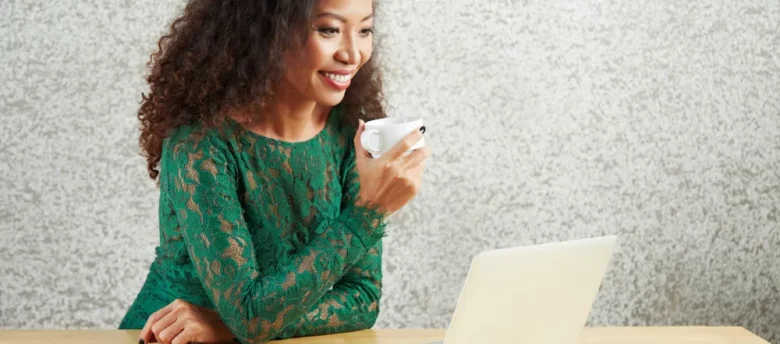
(550, 120)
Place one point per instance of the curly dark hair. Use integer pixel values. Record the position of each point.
(221, 55)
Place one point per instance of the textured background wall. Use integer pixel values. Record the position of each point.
(656, 120)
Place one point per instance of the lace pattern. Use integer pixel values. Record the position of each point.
(266, 233)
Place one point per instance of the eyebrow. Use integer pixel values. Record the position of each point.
(342, 18)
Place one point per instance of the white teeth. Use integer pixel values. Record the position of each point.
(338, 77)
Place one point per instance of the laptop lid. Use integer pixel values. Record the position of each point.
(531, 294)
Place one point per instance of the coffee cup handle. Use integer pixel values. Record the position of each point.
(365, 140)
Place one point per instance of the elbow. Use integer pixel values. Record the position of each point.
(248, 336)
(371, 319)
(366, 321)
(257, 329)
(372, 312)
(365, 315)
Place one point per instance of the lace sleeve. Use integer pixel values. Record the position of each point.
(256, 308)
(352, 305)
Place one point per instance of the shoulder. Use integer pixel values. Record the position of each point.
(196, 147)
(196, 138)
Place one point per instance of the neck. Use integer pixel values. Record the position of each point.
(291, 121)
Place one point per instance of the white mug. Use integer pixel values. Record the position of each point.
(381, 135)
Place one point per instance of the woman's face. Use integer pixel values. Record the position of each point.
(340, 41)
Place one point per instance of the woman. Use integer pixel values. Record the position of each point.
(271, 213)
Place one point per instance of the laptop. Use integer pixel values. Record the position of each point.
(539, 294)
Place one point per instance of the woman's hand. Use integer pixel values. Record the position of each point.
(391, 181)
(181, 322)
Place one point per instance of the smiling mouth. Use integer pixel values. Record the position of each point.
(339, 78)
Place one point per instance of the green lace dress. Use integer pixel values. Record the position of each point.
(265, 232)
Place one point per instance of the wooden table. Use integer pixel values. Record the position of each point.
(596, 335)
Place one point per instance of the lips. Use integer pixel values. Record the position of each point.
(342, 78)
(339, 80)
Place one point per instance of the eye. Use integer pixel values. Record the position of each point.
(367, 32)
(329, 31)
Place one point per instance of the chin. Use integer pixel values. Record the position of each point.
(330, 99)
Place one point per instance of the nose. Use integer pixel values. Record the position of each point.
(348, 53)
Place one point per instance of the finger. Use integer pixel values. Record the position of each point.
(167, 335)
(417, 157)
(186, 336)
(163, 324)
(146, 332)
(415, 174)
(404, 145)
(359, 150)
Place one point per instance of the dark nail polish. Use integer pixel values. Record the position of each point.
(141, 341)
(422, 129)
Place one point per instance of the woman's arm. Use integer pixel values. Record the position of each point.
(352, 305)
(201, 182)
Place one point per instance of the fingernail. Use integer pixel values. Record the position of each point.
(422, 129)
(141, 341)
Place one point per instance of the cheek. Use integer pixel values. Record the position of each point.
(297, 78)
(294, 64)
(365, 53)
(318, 54)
